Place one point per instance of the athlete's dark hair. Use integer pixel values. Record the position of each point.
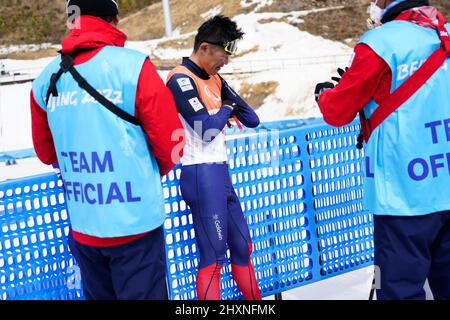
(218, 29)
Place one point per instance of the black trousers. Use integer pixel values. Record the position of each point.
(409, 250)
(133, 271)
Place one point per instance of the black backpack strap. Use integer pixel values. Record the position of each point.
(52, 90)
(67, 65)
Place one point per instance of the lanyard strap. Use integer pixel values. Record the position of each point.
(411, 85)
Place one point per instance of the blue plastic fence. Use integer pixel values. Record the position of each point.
(300, 186)
(35, 261)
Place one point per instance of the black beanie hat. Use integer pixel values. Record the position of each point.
(98, 8)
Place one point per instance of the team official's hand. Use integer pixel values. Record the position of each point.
(341, 73)
(321, 87)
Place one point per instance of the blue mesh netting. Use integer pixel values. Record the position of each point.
(343, 228)
(35, 262)
(300, 186)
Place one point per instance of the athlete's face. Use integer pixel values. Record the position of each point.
(213, 58)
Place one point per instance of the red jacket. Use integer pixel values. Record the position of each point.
(368, 77)
(155, 108)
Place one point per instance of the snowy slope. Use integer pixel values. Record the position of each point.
(277, 51)
(299, 60)
(15, 117)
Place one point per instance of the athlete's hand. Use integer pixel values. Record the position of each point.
(233, 106)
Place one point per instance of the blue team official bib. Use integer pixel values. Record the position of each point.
(111, 179)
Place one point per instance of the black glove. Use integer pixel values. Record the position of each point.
(341, 73)
(231, 105)
(321, 87)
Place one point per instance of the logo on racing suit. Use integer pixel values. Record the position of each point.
(218, 226)
(196, 104)
(185, 84)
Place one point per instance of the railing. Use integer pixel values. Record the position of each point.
(252, 66)
(11, 157)
(235, 66)
(15, 78)
(300, 186)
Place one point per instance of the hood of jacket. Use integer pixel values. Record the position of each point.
(89, 32)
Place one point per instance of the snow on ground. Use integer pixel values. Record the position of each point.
(24, 168)
(259, 3)
(212, 12)
(26, 66)
(24, 47)
(151, 47)
(15, 118)
(353, 285)
(299, 61)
